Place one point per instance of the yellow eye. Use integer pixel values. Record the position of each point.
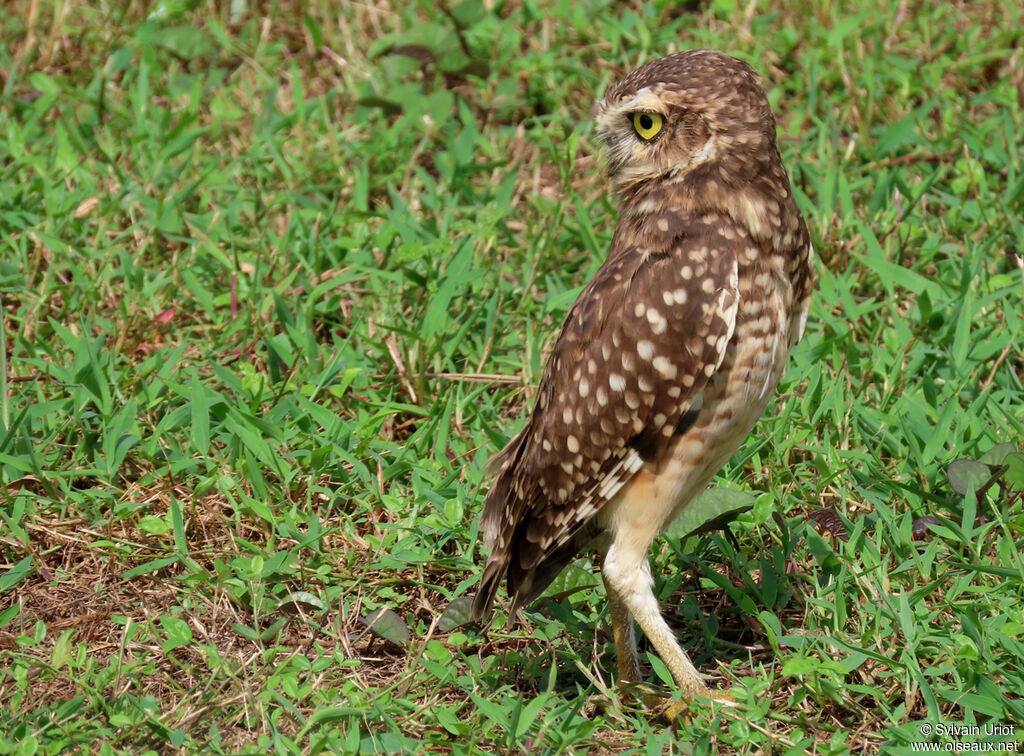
(647, 125)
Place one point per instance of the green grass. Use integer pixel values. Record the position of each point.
(274, 291)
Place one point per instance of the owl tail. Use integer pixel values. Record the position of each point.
(496, 568)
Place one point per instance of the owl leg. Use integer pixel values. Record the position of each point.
(629, 581)
(625, 637)
(626, 653)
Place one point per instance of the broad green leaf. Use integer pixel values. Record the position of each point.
(176, 631)
(711, 511)
(63, 654)
(965, 474)
(1014, 475)
(300, 600)
(457, 613)
(386, 624)
(998, 453)
(154, 525)
(660, 670)
(571, 579)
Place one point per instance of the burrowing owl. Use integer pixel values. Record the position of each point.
(671, 352)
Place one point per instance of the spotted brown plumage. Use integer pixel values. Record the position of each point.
(670, 353)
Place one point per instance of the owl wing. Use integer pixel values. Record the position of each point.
(633, 356)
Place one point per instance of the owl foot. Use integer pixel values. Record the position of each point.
(670, 709)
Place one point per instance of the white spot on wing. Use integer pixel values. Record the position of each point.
(665, 367)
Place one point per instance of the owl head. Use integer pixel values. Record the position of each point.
(694, 114)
